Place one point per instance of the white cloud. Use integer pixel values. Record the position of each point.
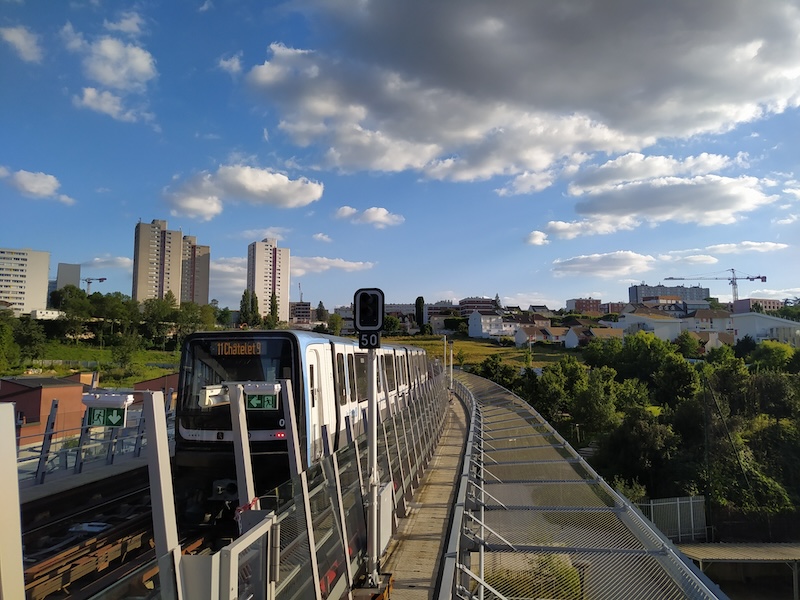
(130, 23)
(322, 237)
(24, 42)
(109, 262)
(345, 211)
(227, 280)
(378, 217)
(700, 200)
(635, 167)
(623, 263)
(561, 81)
(232, 65)
(537, 238)
(111, 62)
(742, 247)
(690, 259)
(205, 6)
(106, 103)
(787, 220)
(273, 233)
(318, 264)
(36, 185)
(203, 194)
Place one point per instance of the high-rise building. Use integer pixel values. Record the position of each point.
(68, 274)
(267, 274)
(158, 261)
(23, 279)
(195, 271)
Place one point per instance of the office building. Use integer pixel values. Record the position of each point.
(159, 256)
(23, 279)
(267, 274)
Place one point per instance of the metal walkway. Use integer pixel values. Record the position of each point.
(533, 520)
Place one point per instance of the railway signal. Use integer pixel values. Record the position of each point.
(368, 303)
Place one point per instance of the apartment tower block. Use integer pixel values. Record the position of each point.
(267, 274)
(165, 261)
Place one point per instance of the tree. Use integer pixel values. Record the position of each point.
(688, 345)
(496, 301)
(248, 310)
(271, 320)
(322, 313)
(76, 307)
(639, 449)
(158, 314)
(29, 336)
(391, 325)
(419, 311)
(594, 405)
(676, 380)
(745, 346)
(494, 369)
(9, 350)
(189, 319)
(603, 352)
(772, 355)
(335, 324)
(122, 353)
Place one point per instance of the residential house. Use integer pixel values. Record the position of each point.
(555, 335)
(655, 321)
(580, 335)
(529, 334)
(708, 320)
(712, 339)
(485, 324)
(762, 327)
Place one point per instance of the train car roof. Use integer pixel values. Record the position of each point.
(302, 335)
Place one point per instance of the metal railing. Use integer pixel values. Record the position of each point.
(534, 520)
(309, 540)
(65, 452)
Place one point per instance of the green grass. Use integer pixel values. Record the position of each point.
(476, 351)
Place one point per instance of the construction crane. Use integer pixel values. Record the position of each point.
(89, 281)
(733, 280)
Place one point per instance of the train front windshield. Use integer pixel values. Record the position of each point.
(213, 360)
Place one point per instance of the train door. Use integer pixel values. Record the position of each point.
(346, 400)
(320, 384)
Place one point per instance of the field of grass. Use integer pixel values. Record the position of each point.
(476, 351)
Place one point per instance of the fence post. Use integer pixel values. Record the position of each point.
(47, 441)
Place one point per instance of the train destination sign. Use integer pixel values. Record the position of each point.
(231, 348)
(106, 417)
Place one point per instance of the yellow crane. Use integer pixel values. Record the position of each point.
(733, 280)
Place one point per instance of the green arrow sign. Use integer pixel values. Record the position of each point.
(262, 401)
(106, 417)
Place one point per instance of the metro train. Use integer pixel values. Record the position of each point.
(329, 382)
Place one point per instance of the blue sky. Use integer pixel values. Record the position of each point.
(537, 150)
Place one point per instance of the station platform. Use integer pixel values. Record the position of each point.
(414, 555)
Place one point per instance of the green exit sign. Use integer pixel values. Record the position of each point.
(262, 401)
(106, 417)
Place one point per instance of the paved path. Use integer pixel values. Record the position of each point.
(414, 554)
